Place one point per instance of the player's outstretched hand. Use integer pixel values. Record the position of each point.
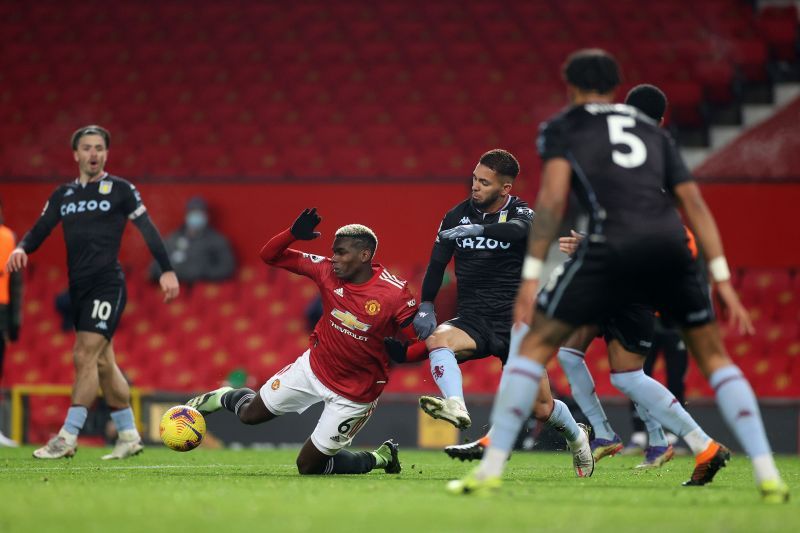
(17, 260)
(396, 349)
(467, 230)
(526, 299)
(425, 320)
(569, 245)
(303, 227)
(732, 307)
(169, 285)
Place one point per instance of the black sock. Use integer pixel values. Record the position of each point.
(346, 462)
(233, 400)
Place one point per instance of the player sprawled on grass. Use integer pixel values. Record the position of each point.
(93, 210)
(346, 366)
(628, 174)
(487, 234)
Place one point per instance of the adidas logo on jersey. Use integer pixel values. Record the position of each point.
(101, 325)
(464, 220)
(339, 292)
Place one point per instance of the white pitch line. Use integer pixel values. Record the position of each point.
(136, 467)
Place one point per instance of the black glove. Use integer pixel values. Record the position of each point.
(396, 349)
(425, 320)
(303, 227)
(13, 333)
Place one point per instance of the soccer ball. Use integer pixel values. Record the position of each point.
(182, 428)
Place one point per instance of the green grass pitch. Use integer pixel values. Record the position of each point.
(245, 491)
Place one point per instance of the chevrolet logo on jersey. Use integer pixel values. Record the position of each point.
(349, 320)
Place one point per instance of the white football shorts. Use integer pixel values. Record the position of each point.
(295, 388)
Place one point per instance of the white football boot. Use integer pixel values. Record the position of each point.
(582, 458)
(6, 442)
(451, 409)
(58, 447)
(126, 446)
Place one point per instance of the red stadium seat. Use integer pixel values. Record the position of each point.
(750, 55)
(778, 27)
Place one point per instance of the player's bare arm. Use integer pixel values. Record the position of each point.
(549, 210)
(705, 228)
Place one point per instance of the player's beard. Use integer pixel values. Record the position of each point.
(485, 203)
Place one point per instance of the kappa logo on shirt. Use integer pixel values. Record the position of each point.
(69, 192)
(339, 292)
(464, 220)
(101, 325)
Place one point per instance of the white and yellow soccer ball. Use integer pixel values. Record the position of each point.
(182, 428)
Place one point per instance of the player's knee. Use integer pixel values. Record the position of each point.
(568, 359)
(436, 341)
(104, 367)
(543, 409)
(308, 468)
(84, 357)
(248, 418)
(624, 381)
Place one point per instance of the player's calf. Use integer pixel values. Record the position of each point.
(311, 461)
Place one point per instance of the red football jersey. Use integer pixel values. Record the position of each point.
(347, 351)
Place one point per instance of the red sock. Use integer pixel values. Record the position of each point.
(417, 352)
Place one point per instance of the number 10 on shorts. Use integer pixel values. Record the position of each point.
(101, 310)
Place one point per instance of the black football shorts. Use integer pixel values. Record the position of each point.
(602, 280)
(491, 338)
(633, 326)
(97, 305)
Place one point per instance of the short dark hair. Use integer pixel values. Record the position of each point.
(648, 99)
(92, 129)
(592, 69)
(501, 161)
(362, 235)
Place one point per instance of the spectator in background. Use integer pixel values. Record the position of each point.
(197, 251)
(10, 301)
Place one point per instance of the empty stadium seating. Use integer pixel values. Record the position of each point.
(257, 323)
(196, 89)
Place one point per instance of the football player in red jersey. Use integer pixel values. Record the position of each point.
(346, 366)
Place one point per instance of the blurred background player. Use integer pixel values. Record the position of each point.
(628, 335)
(346, 366)
(486, 233)
(632, 331)
(10, 302)
(197, 251)
(94, 209)
(636, 249)
(667, 340)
